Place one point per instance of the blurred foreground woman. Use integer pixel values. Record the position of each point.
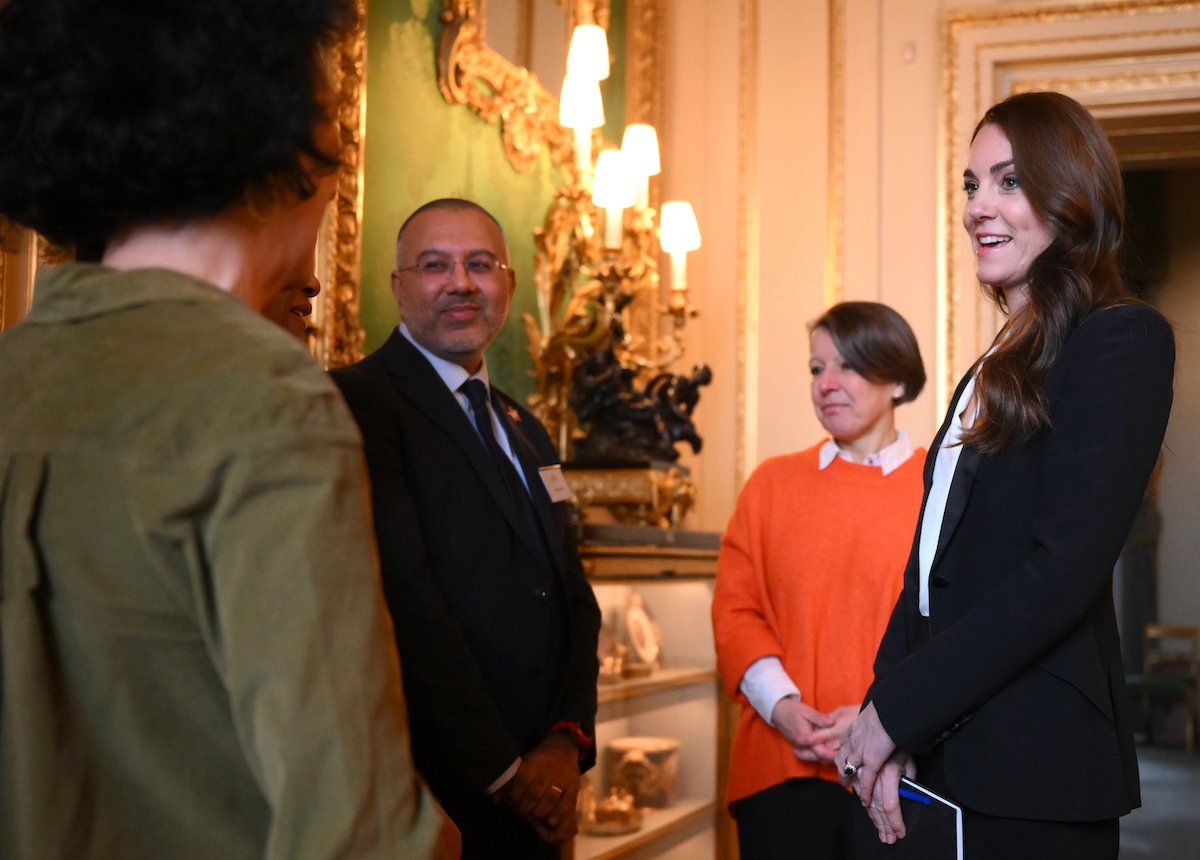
(196, 660)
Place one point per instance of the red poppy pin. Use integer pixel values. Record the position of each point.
(513, 414)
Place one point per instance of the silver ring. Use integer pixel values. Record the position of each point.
(556, 788)
(849, 769)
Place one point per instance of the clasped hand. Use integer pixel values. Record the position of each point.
(868, 746)
(544, 789)
(813, 734)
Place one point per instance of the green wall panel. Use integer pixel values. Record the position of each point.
(418, 148)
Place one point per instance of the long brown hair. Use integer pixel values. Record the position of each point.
(1071, 177)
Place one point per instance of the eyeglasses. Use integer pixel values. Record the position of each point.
(442, 265)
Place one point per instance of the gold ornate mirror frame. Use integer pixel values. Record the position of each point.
(335, 334)
(22, 253)
(472, 73)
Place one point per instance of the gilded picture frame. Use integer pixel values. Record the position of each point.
(472, 73)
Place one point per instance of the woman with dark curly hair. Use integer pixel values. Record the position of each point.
(194, 653)
(999, 680)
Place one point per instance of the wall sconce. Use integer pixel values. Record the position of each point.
(601, 354)
(679, 234)
(581, 108)
(640, 145)
(613, 191)
(587, 56)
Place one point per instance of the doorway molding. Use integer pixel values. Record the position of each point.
(1135, 64)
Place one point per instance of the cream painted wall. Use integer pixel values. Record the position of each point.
(773, 257)
(891, 189)
(700, 146)
(789, 143)
(769, 61)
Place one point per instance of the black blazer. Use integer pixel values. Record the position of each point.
(1021, 679)
(496, 627)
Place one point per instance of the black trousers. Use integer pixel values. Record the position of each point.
(493, 832)
(988, 837)
(801, 819)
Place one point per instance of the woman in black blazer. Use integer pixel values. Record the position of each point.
(998, 682)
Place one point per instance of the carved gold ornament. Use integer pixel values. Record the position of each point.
(472, 74)
(335, 335)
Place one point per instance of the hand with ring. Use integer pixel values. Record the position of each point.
(544, 788)
(866, 745)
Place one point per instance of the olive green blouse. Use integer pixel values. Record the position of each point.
(195, 656)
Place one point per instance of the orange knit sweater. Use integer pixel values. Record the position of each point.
(810, 567)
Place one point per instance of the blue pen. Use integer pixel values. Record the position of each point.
(912, 795)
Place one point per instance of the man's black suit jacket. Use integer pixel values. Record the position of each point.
(1021, 679)
(496, 627)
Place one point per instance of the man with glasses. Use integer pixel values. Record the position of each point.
(495, 621)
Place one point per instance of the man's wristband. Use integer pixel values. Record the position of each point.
(573, 730)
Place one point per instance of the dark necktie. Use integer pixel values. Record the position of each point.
(539, 575)
(477, 396)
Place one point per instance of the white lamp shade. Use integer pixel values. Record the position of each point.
(640, 145)
(678, 230)
(613, 187)
(580, 105)
(587, 57)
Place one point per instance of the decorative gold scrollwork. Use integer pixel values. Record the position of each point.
(471, 73)
(336, 336)
(589, 300)
(573, 318)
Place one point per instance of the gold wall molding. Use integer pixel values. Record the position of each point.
(7, 293)
(51, 255)
(836, 218)
(22, 253)
(746, 395)
(745, 379)
(1131, 62)
(336, 335)
(1059, 13)
(645, 26)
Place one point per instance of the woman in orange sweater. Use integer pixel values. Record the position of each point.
(815, 534)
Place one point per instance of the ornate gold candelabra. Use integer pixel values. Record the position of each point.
(591, 298)
(602, 345)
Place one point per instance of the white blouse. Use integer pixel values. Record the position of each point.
(939, 490)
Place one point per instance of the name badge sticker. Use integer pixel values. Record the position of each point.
(555, 483)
